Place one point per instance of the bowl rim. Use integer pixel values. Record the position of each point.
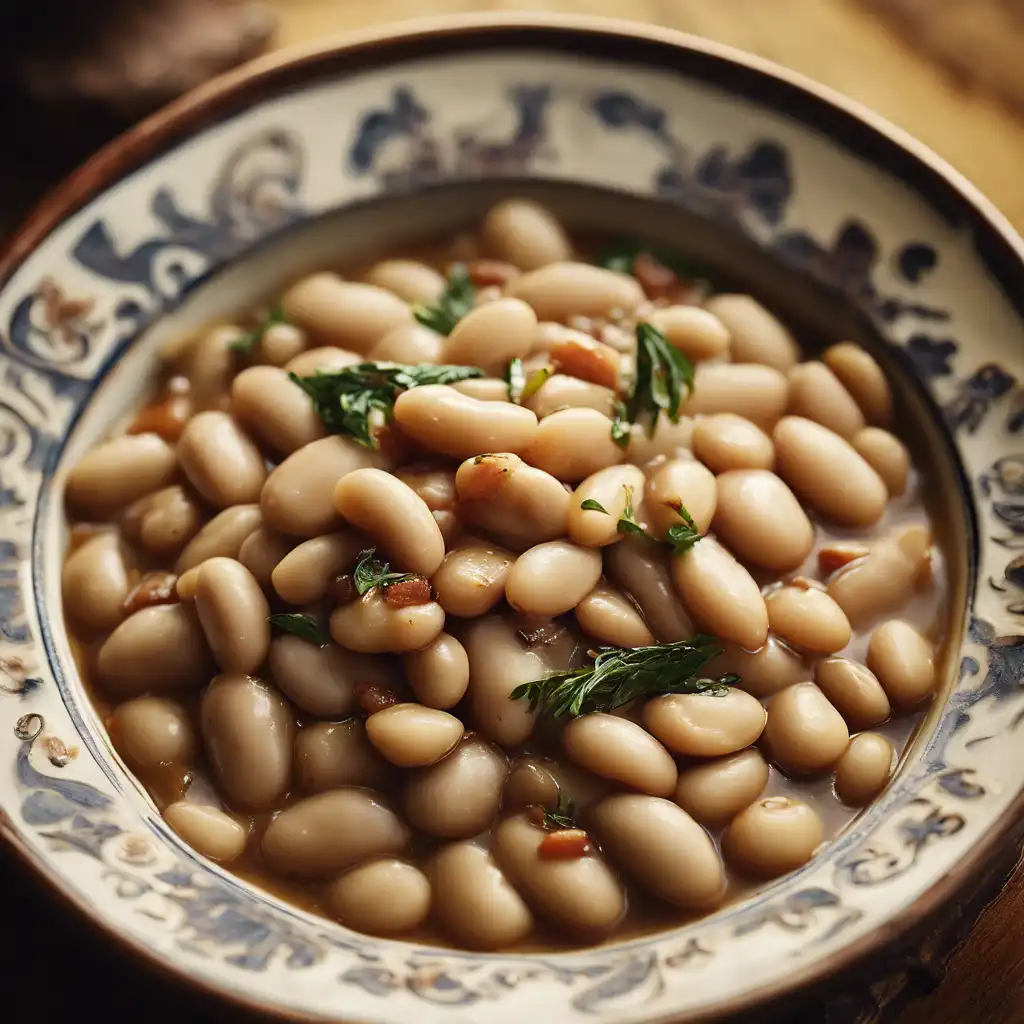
(846, 122)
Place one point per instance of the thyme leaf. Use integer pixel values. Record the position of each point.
(593, 505)
(627, 521)
(370, 572)
(663, 380)
(303, 626)
(452, 304)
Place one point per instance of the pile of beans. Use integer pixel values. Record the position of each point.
(380, 772)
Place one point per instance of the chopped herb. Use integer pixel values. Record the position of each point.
(563, 816)
(303, 626)
(627, 521)
(453, 303)
(664, 377)
(515, 378)
(593, 505)
(370, 572)
(536, 381)
(683, 535)
(247, 342)
(619, 675)
(347, 399)
(620, 425)
(623, 256)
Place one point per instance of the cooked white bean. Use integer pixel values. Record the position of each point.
(489, 336)
(160, 649)
(760, 519)
(607, 615)
(322, 680)
(524, 234)
(331, 831)
(95, 583)
(208, 830)
(209, 363)
(153, 731)
(816, 394)
(298, 497)
(560, 391)
(721, 594)
(564, 289)
(497, 665)
(669, 440)
(445, 421)
(164, 521)
(661, 847)
(247, 729)
(281, 343)
(410, 343)
(262, 551)
(529, 782)
(233, 613)
(439, 674)
(580, 895)
(408, 279)
(805, 733)
(222, 536)
(757, 392)
(679, 482)
(220, 461)
(696, 332)
(274, 409)
(808, 619)
(384, 897)
(757, 336)
(886, 454)
(372, 626)
(726, 441)
(118, 472)
(864, 769)
(571, 444)
(434, 483)
(772, 837)
(864, 379)
(474, 901)
(703, 724)
(616, 748)
(715, 792)
(826, 472)
(519, 505)
(329, 755)
(771, 668)
(328, 358)
(342, 313)
(552, 578)
(903, 661)
(484, 389)
(395, 516)
(883, 580)
(306, 572)
(854, 690)
(413, 736)
(471, 579)
(638, 566)
(458, 797)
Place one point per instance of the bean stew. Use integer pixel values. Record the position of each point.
(509, 594)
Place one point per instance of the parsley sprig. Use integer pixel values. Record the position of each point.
(663, 380)
(371, 572)
(682, 536)
(619, 675)
(248, 342)
(347, 399)
(452, 305)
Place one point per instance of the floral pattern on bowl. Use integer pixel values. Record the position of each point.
(73, 308)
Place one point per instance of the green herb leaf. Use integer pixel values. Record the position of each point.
(347, 399)
(623, 254)
(247, 343)
(536, 381)
(627, 521)
(683, 535)
(664, 378)
(304, 626)
(453, 303)
(593, 505)
(563, 816)
(619, 675)
(515, 378)
(620, 426)
(370, 573)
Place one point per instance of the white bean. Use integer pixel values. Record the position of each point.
(305, 574)
(439, 674)
(726, 441)
(772, 837)
(484, 389)
(757, 392)
(864, 379)
(408, 279)
(152, 731)
(222, 537)
(572, 444)
(220, 461)
(903, 661)
(410, 343)
(816, 394)
(384, 897)
(805, 733)
(715, 792)
(670, 440)
(560, 290)
(607, 615)
(757, 336)
(233, 613)
(552, 578)
(372, 626)
(208, 830)
(771, 668)
(329, 755)
(864, 769)
(808, 619)
(679, 483)
(524, 234)
(611, 488)
(616, 748)
(491, 335)
(262, 551)
(854, 690)
(561, 391)
(275, 410)
(306, 364)
(471, 579)
(118, 472)
(164, 521)
(413, 736)
(705, 724)
(696, 332)
(95, 583)
(280, 344)
(886, 454)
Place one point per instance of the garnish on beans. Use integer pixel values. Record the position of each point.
(249, 342)
(303, 626)
(370, 572)
(565, 844)
(452, 305)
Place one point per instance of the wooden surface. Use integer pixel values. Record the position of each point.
(839, 43)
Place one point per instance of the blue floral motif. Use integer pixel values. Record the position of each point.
(798, 912)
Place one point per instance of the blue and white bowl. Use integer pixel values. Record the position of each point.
(232, 190)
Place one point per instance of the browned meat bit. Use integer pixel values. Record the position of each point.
(834, 556)
(168, 415)
(657, 280)
(342, 589)
(154, 588)
(374, 697)
(565, 844)
(407, 593)
(588, 359)
(486, 273)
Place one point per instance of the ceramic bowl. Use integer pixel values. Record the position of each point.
(237, 188)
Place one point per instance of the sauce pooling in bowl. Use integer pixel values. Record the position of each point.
(519, 601)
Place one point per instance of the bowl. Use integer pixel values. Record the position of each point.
(824, 207)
